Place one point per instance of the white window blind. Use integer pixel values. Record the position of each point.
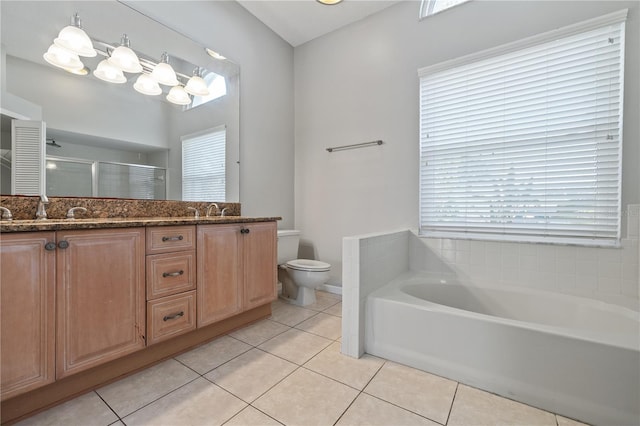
(203, 166)
(526, 145)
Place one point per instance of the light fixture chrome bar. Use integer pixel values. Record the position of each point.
(355, 146)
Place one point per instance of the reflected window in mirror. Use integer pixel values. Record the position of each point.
(203, 165)
(217, 88)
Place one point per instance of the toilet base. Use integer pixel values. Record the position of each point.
(306, 296)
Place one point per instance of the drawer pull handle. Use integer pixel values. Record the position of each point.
(172, 274)
(178, 238)
(173, 316)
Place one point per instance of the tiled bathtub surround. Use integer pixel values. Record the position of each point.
(24, 207)
(371, 261)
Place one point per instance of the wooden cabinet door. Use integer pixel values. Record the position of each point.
(219, 268)
(260, 263)
(100, 297)
(27, 312)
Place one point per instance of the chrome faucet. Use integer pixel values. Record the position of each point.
(196, 212)
(209, 207)
(41, 213)
(222, 213)
(6, 213)
(72, 210)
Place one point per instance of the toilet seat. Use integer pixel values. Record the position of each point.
(308, 265)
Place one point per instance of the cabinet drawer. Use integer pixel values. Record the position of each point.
(170, 316)
(170, 273)
(164, 239)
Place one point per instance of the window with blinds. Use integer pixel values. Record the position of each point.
(203, 166)
(524, 142)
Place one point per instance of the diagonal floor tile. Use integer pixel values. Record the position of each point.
(87, 409)
(323, 325)
(260, 332)
(334, 310)
(483, 408)
(197, 403)
(423, 393)
(213, 354)
(370, 411)
(131, 393)
(290, 315)
(563, 421)
(295, 346)
(350, 371)
(306, 398)
(324, 300)
(251, 374)
(252, 417)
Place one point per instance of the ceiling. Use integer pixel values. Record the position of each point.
(298, 21)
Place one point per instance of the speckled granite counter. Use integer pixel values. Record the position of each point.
(62, 224)
(114, 213)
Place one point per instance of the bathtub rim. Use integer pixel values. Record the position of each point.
(393, 292)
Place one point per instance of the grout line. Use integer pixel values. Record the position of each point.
(453, 400)
(107, 404)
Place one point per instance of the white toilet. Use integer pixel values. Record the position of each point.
(299, 277)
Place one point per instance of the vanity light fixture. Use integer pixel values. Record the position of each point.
(63, 58)
(147, 85)
(329, 2)
(177, 95)
(124, 58)
(163, 73)
(109, 73)
(73, 38)
(196, 85)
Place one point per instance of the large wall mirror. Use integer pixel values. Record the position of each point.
(91, 122)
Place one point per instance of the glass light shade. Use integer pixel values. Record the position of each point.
(147, 86)
(62, 58)
(163, 73)
(329, 2)
(109, 73)
(125, 58)
(177, 95)
(196, 86)
(74, 38)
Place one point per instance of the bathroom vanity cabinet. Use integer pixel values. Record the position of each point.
(236, 269)
(83, 306)
(100, 292)
(171, 281)
(27, 316)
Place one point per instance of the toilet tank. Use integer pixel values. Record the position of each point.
(288, 240)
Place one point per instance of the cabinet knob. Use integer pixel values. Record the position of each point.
(63, 244)
(244, 231)
(50, 246)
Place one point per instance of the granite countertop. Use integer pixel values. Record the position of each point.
(128, 222)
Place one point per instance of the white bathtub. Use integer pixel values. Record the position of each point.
(569, 355)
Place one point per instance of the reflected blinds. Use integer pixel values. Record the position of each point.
(526, 145)
(203, 166)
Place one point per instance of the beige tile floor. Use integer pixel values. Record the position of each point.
(288, 370)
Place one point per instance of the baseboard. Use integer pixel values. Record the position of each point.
(330, 288)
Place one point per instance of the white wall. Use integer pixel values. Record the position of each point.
(266, 96)
(360, 83)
